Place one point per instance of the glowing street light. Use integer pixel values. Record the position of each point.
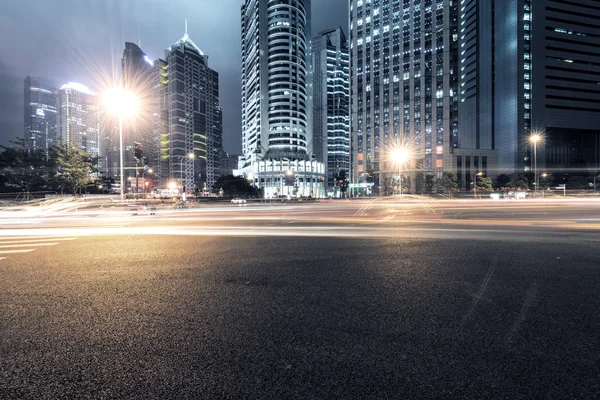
(400, 156)
(534, 139)
(475, 184)
(123, 105)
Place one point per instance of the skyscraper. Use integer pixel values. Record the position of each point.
(40, 112)
(188, 121)
(78, 118)
(277, 137)
(331, 103)
(404, 91)
(532, 66)
(139, 78)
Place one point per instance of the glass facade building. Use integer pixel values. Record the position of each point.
(188, 118)
(532, 66)
(331, 103)
(40, 112)
(404, 82)
(277, 95)
(78, 118)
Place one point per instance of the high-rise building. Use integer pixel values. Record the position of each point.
(229, 163)
(277, 137)
(188, 122)
(78, 118)
(40, 112)
(139, 78)
(331, 103)
(404, 92)
(532, 66)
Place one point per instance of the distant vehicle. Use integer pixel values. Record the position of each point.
(166, 193)
(238, 200)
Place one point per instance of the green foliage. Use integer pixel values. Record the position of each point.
(424, 182)
(73, 168)
(484, 184)
(420, 182)
(26, 169)
(519, 183)
(448, 182)
(501, 181)
(231, 186)
(342, 181)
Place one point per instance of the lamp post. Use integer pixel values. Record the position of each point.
(122, 104)
(475, 184)
(534, 139)
(148, 171)
(400, 156)
(189, 156)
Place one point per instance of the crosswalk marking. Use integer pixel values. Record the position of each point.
(16, 244)
(27, 245)
(34, 241)
(15, 251)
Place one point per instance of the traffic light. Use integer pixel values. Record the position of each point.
(137, 153)
(145, 162)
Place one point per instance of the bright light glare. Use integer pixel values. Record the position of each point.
(172, 185)
(121, 102)
(400, 155)
(536, 137)
(191, 156)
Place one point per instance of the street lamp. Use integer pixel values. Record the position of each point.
(399, 156)
(122, 104)
(534, 139)
(475, 184)
(148, 171)
(190, 156)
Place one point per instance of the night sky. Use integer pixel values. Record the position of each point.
(83, 40)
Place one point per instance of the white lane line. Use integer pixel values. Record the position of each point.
(15, 251)
(27, 245)
(2, 258)
(33, 241)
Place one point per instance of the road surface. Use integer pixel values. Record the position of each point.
(344, 299)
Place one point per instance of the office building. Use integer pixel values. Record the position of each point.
(78, 118)
(40, 112)
(331, 104)
(404, 93)
(139, 78)
(229, 163)
(277, 137)
(527, 67)
(188, 118)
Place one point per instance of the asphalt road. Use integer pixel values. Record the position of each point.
(352, 300)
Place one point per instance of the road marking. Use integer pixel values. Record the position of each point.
(34, 241)
(2, 258)
(27, 245)
(15, 251)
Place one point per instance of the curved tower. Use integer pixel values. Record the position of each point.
(277, 94)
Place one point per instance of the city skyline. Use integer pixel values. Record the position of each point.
(90, 45)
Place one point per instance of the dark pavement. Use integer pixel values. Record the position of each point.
(172, 316)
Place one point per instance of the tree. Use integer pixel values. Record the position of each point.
(342, 181)
(484, 184)
(231, 186)
(420, 182)
(501, 181)
(520, 183)
(429, 182)
(23, 168)
(449, 182)
(73, 168)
